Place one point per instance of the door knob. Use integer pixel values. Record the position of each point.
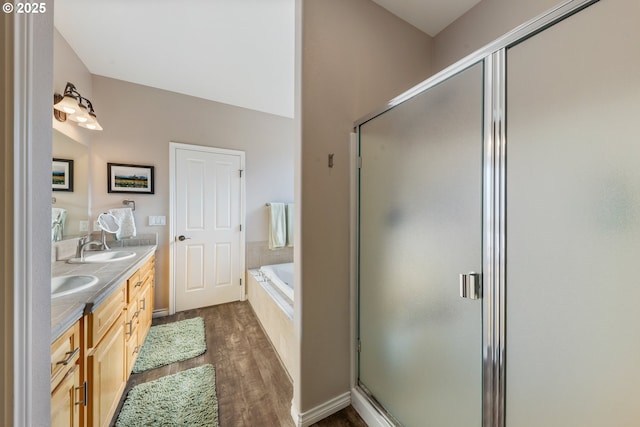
(182, 238)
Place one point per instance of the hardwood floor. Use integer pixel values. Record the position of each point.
(253, 388)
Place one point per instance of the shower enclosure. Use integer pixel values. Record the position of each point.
(499, 230)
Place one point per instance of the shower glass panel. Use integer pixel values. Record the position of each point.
(420, 219)
(573, 222)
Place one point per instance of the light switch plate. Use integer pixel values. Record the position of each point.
(157, 220)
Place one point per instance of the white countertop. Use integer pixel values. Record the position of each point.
(68, 309)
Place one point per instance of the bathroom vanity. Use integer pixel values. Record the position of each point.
(97, 334)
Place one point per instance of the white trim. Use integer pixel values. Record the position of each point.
(294, 413)
(160, 313)
(172, 227)
(322, 411)
(22, 217)
(173, 147)
(296, 373)
(367, 411)
(353, 255)
(30, 71)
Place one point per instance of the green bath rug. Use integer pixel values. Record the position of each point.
(187, 398)
(172, 342)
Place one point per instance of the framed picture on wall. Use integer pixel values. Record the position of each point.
(123, 178)
(62, 175)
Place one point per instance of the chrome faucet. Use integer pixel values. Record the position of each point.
(84, 243)
(81, 241)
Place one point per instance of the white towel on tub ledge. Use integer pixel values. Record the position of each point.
(277, 226)
(124, 218)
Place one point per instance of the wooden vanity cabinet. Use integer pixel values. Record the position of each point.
(91, 362)
(106, 358)
(67, 392)
(139, 310)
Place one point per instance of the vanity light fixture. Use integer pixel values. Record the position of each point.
(75, 107)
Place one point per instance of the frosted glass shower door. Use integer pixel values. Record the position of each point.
(573, 222)
(420, 226)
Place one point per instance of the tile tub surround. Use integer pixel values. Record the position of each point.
(259, 254)
(275, 314)
(66, 310)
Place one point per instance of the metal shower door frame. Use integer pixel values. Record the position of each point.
(493, 198)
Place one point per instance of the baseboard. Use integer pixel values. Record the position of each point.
(367, 411)
(321, 412)
(160, 312)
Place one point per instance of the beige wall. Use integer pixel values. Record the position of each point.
(484, 23)
(355, 57)
(140, 121)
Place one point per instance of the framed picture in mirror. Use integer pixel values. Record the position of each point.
(62, 175)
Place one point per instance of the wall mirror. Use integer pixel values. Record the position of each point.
(70, 188)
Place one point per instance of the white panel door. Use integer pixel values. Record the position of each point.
(208, 239)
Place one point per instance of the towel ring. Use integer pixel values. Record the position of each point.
(129, 203)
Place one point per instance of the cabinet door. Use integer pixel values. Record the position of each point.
(145, 305)
(108, 375)
(133, 349)
(64, 411)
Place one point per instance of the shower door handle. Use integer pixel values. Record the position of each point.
(470, 286)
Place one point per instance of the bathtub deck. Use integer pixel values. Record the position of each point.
(274, 311)
(281, 299)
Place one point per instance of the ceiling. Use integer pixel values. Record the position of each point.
(431, 16)
(237, 52)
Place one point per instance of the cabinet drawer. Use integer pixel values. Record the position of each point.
(101, 320)
(132, 318)
(65, 352)
(66, 400)
(148, 266)
(138, 279)
(134, 284)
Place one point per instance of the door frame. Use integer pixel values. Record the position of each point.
(173, 148)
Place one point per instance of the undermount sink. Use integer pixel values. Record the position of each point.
(65, 285)
(106, 256)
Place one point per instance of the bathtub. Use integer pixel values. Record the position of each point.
(270, 293)
(281, 275)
